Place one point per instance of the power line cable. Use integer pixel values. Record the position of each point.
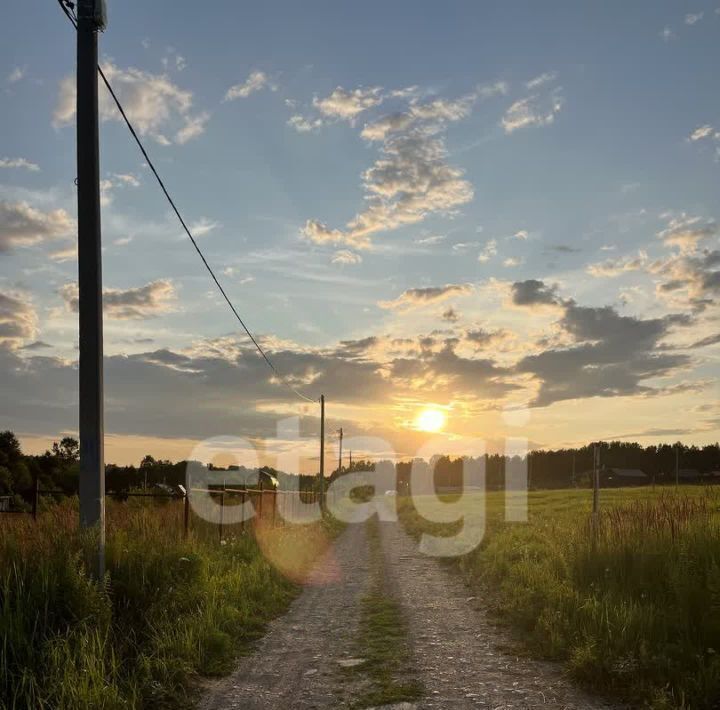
(67, 8)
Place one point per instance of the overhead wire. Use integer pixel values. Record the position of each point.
(68, 9)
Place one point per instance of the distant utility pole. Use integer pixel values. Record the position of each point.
(340, 433)
(91, 19)
(596, 480)
(529, 468)
(322, 445)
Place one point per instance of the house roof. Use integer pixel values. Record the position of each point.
(627, 472)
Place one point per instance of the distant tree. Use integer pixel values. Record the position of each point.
(10, 451)
(6, 481)
(68, 450)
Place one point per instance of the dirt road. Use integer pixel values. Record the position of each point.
(460, 656)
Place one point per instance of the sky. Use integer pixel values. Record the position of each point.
(462, 222)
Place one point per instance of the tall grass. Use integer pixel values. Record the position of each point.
(168, 610)
(630, 602)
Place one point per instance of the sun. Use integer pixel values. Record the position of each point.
(430, 419)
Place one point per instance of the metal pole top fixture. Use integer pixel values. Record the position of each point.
(93, 10)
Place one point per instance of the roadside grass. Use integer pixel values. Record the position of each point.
(383, 639)
(168, 611)
(632, 606)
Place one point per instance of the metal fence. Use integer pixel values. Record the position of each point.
(271, 505)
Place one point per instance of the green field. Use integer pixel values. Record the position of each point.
(631, 605)
(169, 611)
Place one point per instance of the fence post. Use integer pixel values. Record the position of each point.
(242, 504)
(187, 514)
(36, 498)
(222, 510)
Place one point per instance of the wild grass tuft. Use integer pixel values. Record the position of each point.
(631, 603)
(168, 610)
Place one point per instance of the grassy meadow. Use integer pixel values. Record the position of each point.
(631, 605)
(169, 610)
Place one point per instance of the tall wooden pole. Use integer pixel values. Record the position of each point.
(340, 431)
(322, 445)
(92, 455)
(596, 480)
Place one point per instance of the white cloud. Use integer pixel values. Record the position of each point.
(153, 299)
(304, 125)
(392, 123)
(692, 18)
(410, 181)
(611, 268)
(511, 262)
(685, 232)
(535, 110)
(414, 297)
(544, 78)
(488, 251)
(667, 34)
(522, 234)
(153, 103)
(16, 74)
(348, 104)
(256, 80)
(345, 256)
(701, 132)
(18, 320)
(113, 181)
(412, 178)
(22, 225)
(487, 91)
(436, 112)
(66, 253)
(194, 127)
(434, 239)
(203, 226)
(19, 163)
(127, 179)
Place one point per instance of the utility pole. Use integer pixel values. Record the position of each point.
(340, 433)
(91, 19)
(322, 445)
(350, 461)
(677, 465)
(596, 480)
(529, 468)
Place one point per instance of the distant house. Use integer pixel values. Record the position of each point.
(623, 477)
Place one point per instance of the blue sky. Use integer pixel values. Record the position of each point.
(570, 144)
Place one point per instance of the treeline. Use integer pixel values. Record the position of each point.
(564, 468)
(58, 468)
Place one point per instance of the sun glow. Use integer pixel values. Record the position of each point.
(430, 419)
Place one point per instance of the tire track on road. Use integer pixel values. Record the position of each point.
(459, 651)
